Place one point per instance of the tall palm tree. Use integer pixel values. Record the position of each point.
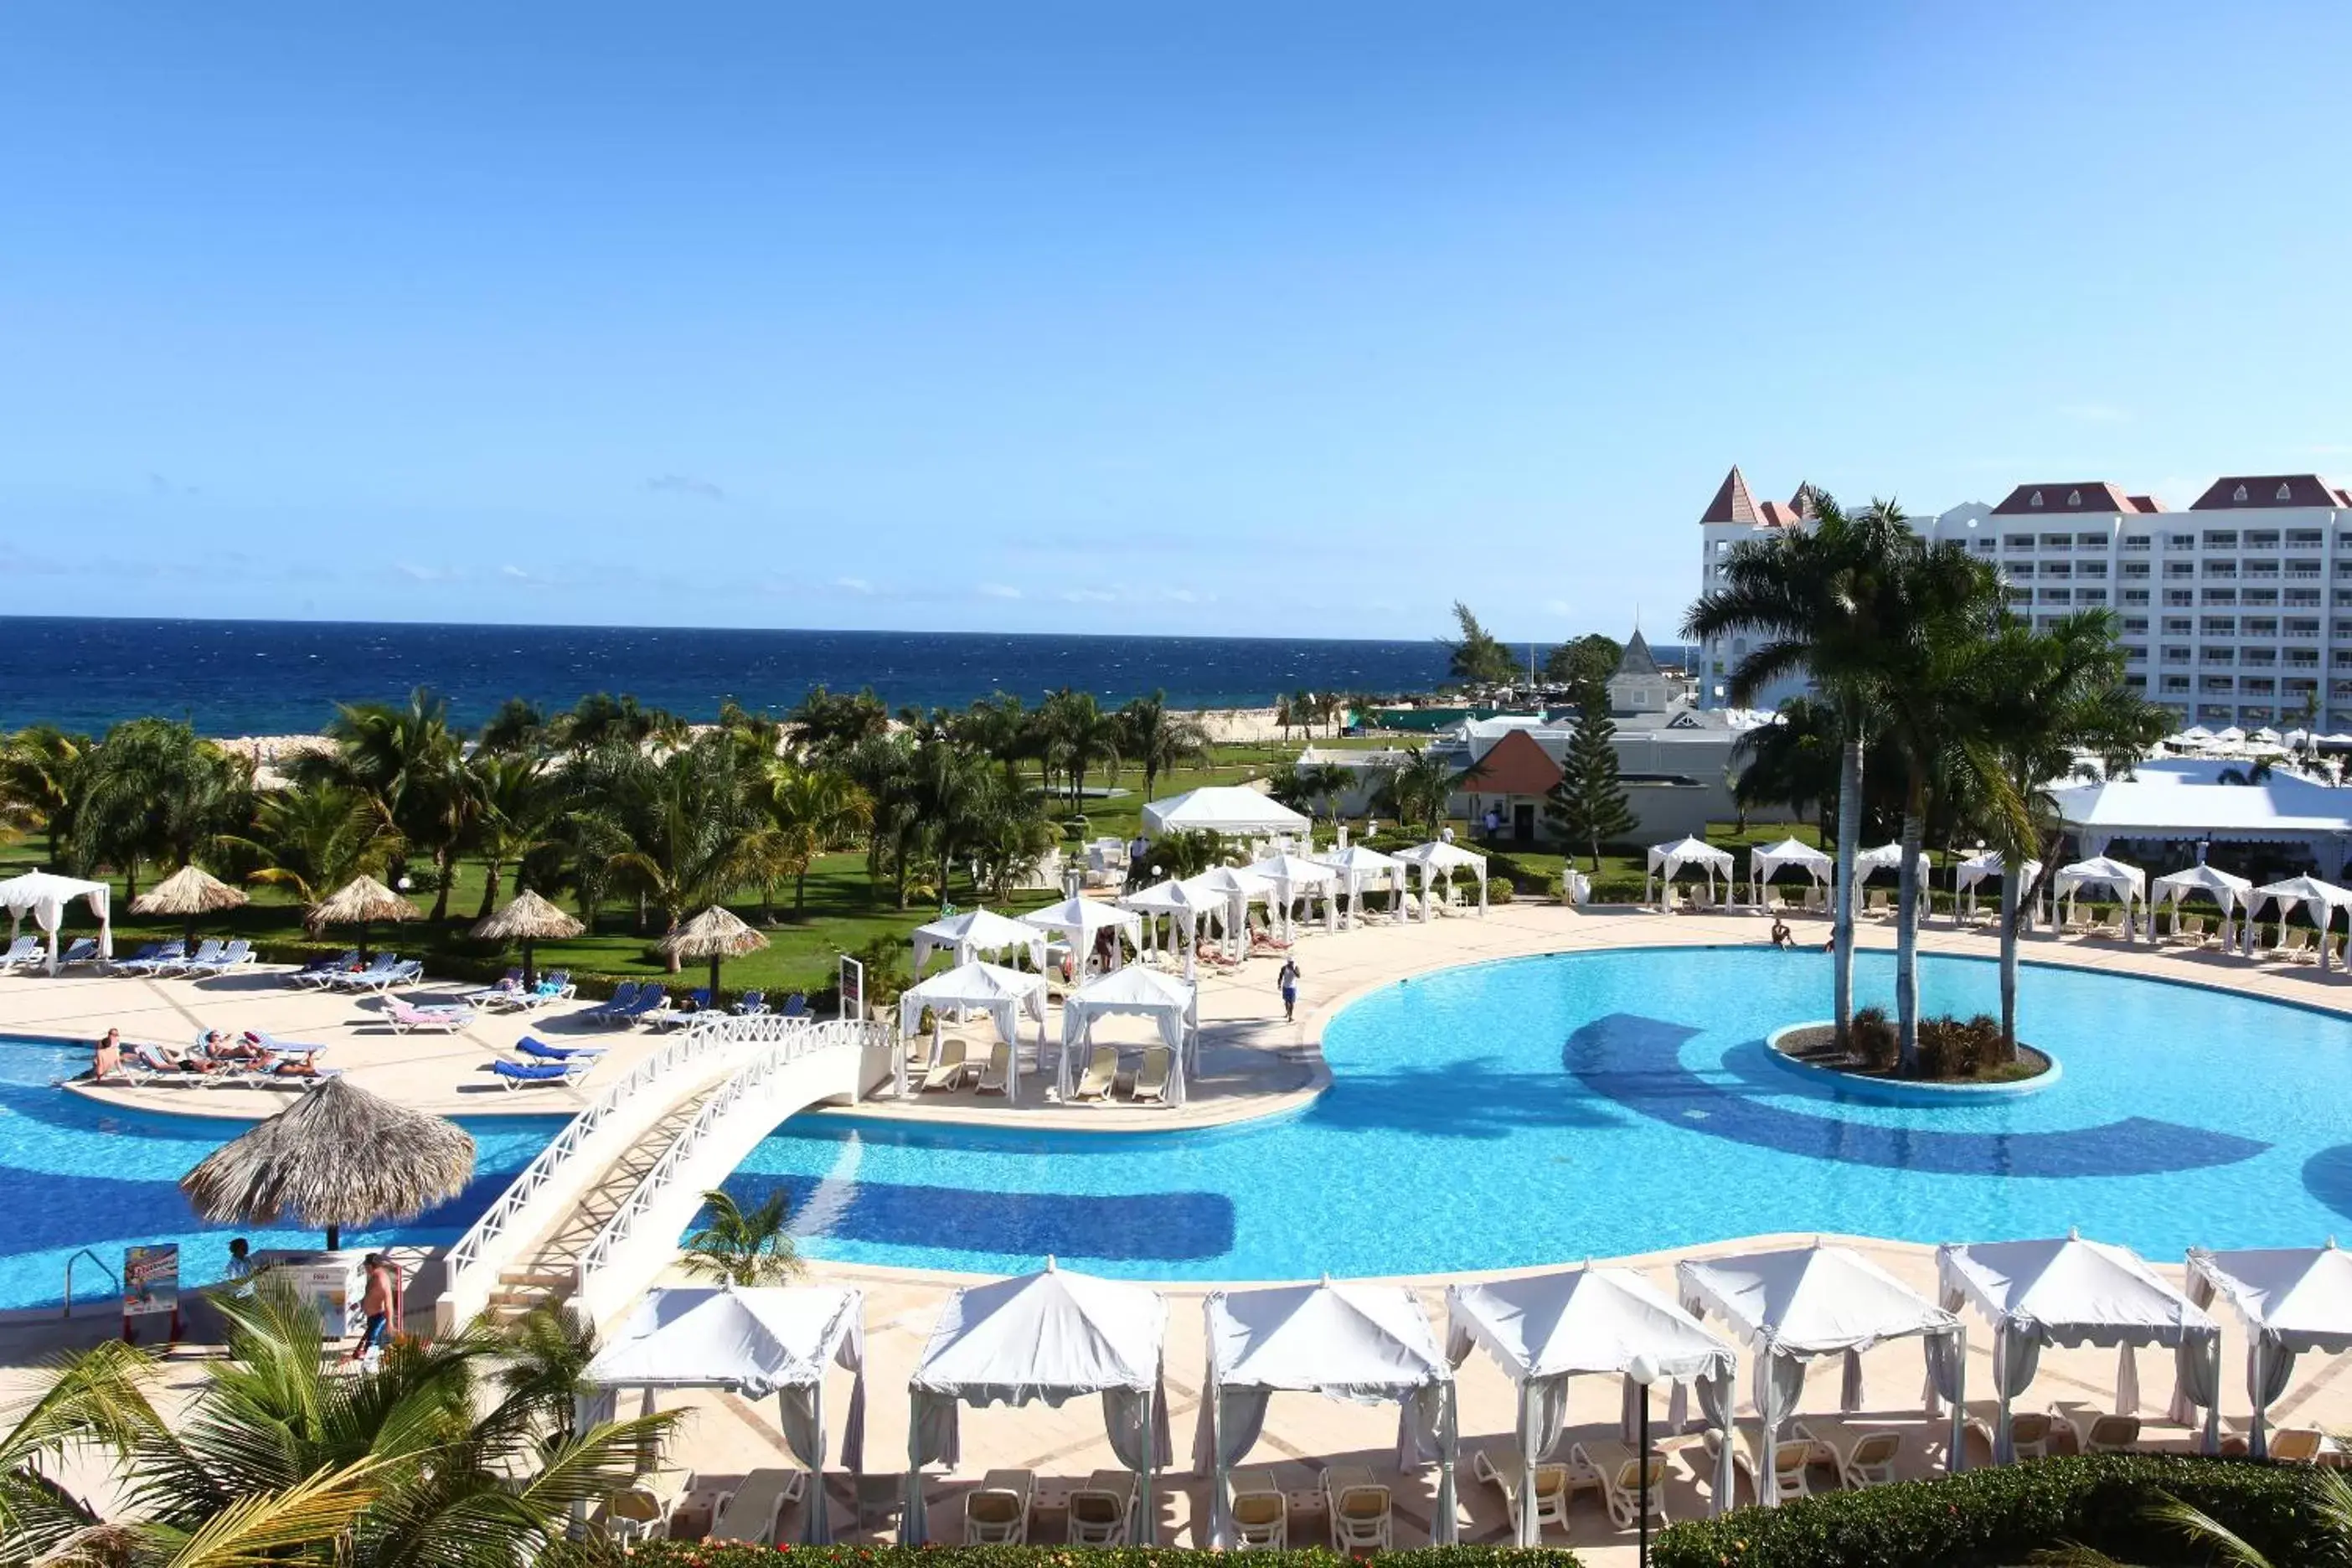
(40, 769)
(953, 790)
(691, 831)
(154, 790)
(1417, 789)
(1078, 736)
(514, 803)
(1158, 740)
(1817, 601)
(414, 763)
(752, 1247)
(311, 838)
(810, 811)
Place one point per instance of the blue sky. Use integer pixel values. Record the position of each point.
(1220, 318)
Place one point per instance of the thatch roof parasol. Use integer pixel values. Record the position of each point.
(337, 1156)
(191, 891)
(528, 919)
(714, 934)
(361, 901)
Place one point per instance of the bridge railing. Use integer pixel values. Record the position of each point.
(797, 1066)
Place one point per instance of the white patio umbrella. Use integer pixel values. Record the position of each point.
(1667, 861)
(2174, 888)
(1764, 864)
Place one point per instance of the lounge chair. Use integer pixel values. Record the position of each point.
(237, 954)
(2109, 925)
(1151, 1087)
(207, 954)
(502, 994)
(996, 1078)
(1102, 1071)
(1865, 1456)
(154, 956)
(1793, 1457)
(751, 1003)
(613, 1008)
(947, 1070)
(1359, 1510)
(2096, 1431)
(796, 1005)
(83, 951)
(2287, 1445)
(24, 951)
(2294, 944)
(1505, 1469)
(544, 1052)
(553, 986)
(752, 1513)
(405, 1016)
(698, 1003)
(652, 1001)
(367, 977)
(996, 1511)
(642, 1511)
(2029, 1430)
(1102, 1511)
(315, 975)
(1617, 1469)
(1260, 1512)
(520, 1075)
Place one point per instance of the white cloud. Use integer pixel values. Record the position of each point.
(526, 578)
(417, 574)
(1086, 596)
(853, 585)
(998, 591)
(1558, 607)
(2095, 413)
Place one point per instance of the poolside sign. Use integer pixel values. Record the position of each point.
(151, 1279)
(853, 988)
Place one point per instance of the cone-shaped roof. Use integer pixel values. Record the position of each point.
(529, 917)
(713, 933)
(361, 898)
(337, 1156)
(1732, 503)
(190, 890)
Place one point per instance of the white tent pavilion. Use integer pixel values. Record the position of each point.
(1986, 866)
(2293, 1300)
(1185, 908)
(1359, 866)
(1002, 993)
(978, 933)
(1764, 864)
(1173, 1005)
(2069, 1291)
(1544, 1329)
(1667, 861)
(1888, 857)
(750, 1341)
(2127, 884)
(1049, 1336)
(2228, 892)
(1797, 1305)
(1080, 921)
(2319, 899)
(44, 895)
(1438, 860)
(1227, 891)
(1293, 877)
(1364, 1343)
(1234, 810)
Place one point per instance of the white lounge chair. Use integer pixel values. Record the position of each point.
(1359, 1510)
(996, 1511)
(1865, 1455)
(1102, 1071)
(2096, 1431)
(947, 1069)
(405, 1016)
(1102, 1512)
(642, 1511)
(1793, 1457)
(1151, 1086)
(24, 951)
(1261, 1512)
(2029, 1430)
(996, 1078)
(1506, 1471)
(751, 1511)
(1617, 1469)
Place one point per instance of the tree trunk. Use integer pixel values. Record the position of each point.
(442, 878)
(800, 897)
(490, 873)
(1848, 834)
(2011, 877)
(1906, 931)
(130, 881)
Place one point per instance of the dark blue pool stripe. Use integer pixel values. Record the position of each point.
(1636, 1062)
(1136, 1226)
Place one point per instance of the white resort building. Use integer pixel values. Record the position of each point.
(2236, 612)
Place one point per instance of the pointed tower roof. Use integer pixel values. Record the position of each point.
(1803, 502)
(1637, 659)
(1732, 503)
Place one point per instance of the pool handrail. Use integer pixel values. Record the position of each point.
(102, 1268)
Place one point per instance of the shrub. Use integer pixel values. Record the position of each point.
(1875, 1039)
(695, 1554)
(1951, 1047)
(1499, 890)
(2003, 1515)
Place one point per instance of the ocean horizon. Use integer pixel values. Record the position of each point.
(262, 678)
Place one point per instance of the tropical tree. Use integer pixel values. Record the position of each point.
(810, 811)
(691, 831)
(999, 726)
(835, 721)
(953, 792)
(1475, 656)
(1177, 855)
(40, 779)
(1312, 787)
(1007, 837)
(154, 790)
(601, 718)
(311, 838)
(1078, 737)
(414, 764)
(1579, 658)
(515, 802)
(1587, 806)
(1158, 740)
(517, 729)
(1417, 790)
(752, 1247)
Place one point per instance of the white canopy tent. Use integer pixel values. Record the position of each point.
(1667, 861)
(752, 1342)
(2228, 892)
(1049, 1336)
(44, 895)
(1080, 921)
(1764, 864)
(1234, 810)
(1228, 891)
(1173, 1005)
(1888, 857)
(978, 933)
(2127, 884)
(2069, 1291)
(2291, 1299)
(1544, 1329)
(1438, 860)
(2319, 899)
(1986, 866)
(1795, 1306)
(1364, 1343)
(1292, 877)
(1360, 867)
(1002, 993)
(1185, 908)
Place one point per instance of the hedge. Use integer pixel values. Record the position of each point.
(1982, 1518)
(695, 1554)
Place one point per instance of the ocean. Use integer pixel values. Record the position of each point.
(267, 677)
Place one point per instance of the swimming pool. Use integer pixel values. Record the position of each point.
(1548, 1109)
(77, 1173)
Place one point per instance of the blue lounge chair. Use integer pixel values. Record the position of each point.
(547, 1053)
(796, 1005)
(553, 986)
(27, 951)
(235, 956)
(319, 970)
(751, 1002)
(207, 952)
(611, 1009)
(515, 1075)
(651, 999)
(155, 955)
(83, 951)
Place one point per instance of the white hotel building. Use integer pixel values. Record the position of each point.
(2233, 611)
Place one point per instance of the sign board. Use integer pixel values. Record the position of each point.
(853, 988)
(330, 1281)
(151, 1279)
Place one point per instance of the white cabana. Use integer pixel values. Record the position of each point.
(1234, 810)
(1667, 861)
(1368, 1344)
(1050, 1336)
(1544, 1329)
(1228, 891)
(1360, 867)
(1185, 908)
(980, 933)
(1764, 864)
(752, 1342)
(2069, 1291)
(1080, 921)
(1803, 1303)
(1437, 861)
(2125, 884)
(2228, 893)
(44, 895)
(2291, 1299)
(1989, 867)
(1292, 877)
(1005, 994)
(2319, 899)
(1173, 1005)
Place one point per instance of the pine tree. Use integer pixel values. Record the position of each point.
(1587, 806)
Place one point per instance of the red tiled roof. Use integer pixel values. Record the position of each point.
(2344, 498)
(1802, 503)
(2232, 491)
(1732, 503)
(2146, 503)
(1515, 764)
(1778, 514)
(2031, 500)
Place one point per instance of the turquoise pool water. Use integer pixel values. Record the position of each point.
(74, 1174)
(1548, 1109)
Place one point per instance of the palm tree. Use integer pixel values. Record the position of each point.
(1318, 787)
(1009, 836)
(514, 807)
(952, 790)
(753, 1248)
(1159, 740)
(311, 838)
(811, 810)
(691, 831)
(40, 778)
(2325, 1518)
(1078, 735)
(1417, 789)
(154, 790)
(414, 763)
(1816, 599)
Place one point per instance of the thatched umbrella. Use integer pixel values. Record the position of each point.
(191, 890)
(714, 934)
(337, 1156)
(527, 920)
(361, 901)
